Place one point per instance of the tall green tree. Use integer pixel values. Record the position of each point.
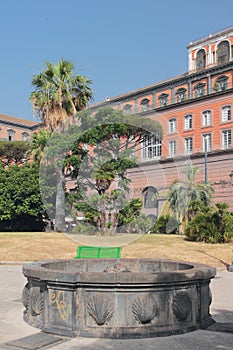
(59, 94)
(21, 206)
(113, 140)
(185, 197)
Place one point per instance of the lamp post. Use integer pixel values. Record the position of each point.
(230, 268)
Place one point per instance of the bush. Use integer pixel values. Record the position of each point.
(211, 225)
(166, 224)
(140, 224)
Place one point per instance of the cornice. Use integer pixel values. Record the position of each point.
(168, 84)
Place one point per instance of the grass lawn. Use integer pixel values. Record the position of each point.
(31, 246)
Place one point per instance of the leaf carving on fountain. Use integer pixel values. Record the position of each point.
(25, 296)
(181, 305)
(100, 308)
(145, 309)
(37, 303)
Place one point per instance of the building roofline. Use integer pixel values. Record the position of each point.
(28, 124)
(161, 85)
(210, 36)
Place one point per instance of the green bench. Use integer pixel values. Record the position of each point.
(98, 252)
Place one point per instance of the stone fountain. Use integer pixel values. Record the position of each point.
(117, 298)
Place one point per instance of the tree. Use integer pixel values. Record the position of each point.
(58, 95)
(37, 145)
(112, 138)
(21, 206)
(185, 197)
(13, 152)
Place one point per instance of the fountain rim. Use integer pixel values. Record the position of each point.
(42, 271)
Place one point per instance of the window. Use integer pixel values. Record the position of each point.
(226, 139)
(207, 142)
(152, 147)
(226, 113)
(200, 90)
(188, 145)
(25, 136)
(201, 59)
(10, 135)
(181, 95)
(128, 109)
(172, 149)
(172, 125)
(150, 200)
(223, 52)
(206, 118)
(163, 100)
(188, 122)
(145, 105)
(221, 83)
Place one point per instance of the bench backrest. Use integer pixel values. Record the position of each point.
(98, 252)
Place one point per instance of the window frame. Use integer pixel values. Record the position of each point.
(172, 124)
(172, 149)
(10, 134)
(127, 109)
(228, 133)
(226, 118)
(145, 105)
(188, 122)
(181, 95)
(220, 48)
(189, 149)
(151, 147)
(200, 89)
(206, 117)
(222, 83)
(163, 100)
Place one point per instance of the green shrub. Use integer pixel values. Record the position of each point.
(211, 225)
(166, 224)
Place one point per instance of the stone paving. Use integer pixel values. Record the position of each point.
(16, 334)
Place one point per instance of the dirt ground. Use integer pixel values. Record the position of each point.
(32, 246)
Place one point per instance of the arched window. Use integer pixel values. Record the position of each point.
(199, 89)
(10, 135)
(172, 125)
(150, 200)
(201, 59)
(163, 98)
(25, 136)
(128, 109)
(226, 113)
(223, 52)
(181, 94)
(221, 83)
(206, 118)
(145, 104)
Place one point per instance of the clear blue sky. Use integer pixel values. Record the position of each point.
(121, 45)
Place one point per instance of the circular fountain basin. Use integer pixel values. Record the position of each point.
(117, 298)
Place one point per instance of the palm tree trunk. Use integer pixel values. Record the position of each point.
(60, 225)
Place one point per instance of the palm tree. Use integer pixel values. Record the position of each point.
(38, 143)
(186, 197)
(58, 96)
(59, 93)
